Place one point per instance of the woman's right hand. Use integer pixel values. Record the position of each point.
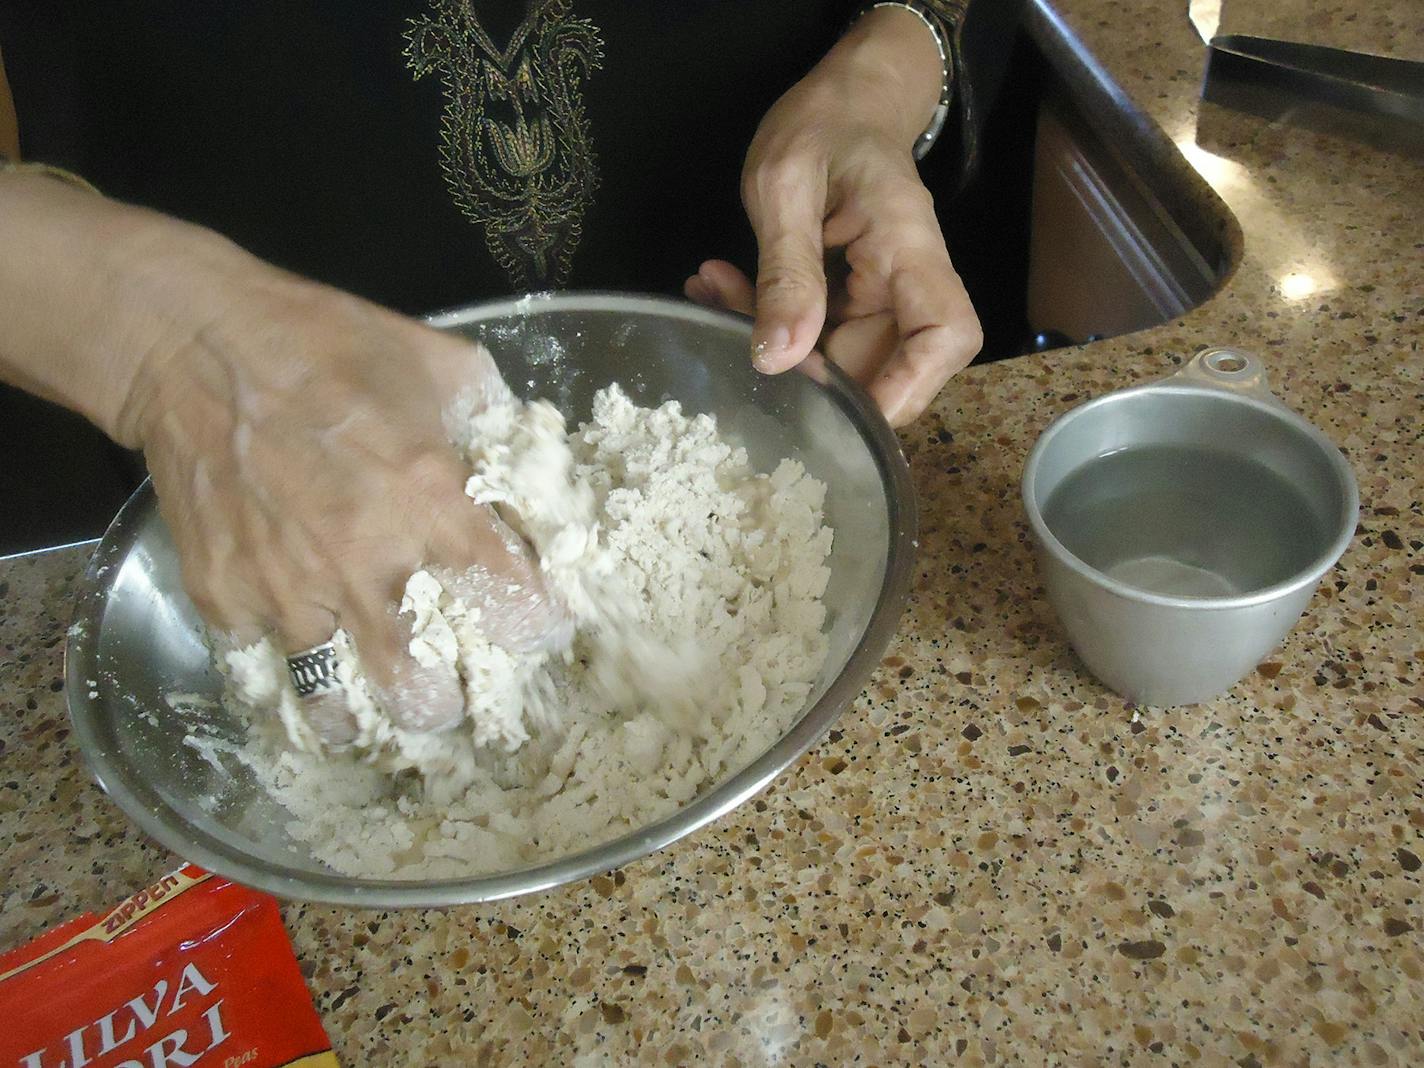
(295, 435)
(298, 448)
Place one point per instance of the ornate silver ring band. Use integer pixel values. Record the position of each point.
(314, 669)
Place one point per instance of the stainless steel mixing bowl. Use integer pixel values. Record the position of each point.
(137, 640)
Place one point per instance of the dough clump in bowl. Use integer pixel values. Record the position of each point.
(695, 585)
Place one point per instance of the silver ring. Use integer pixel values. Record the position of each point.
(313, 669)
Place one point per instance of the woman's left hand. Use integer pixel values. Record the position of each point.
(831, 169)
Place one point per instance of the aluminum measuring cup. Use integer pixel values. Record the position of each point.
(1160, 646)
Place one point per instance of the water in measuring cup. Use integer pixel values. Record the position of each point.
(1185, 521)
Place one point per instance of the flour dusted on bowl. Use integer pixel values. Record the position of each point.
(695, 585)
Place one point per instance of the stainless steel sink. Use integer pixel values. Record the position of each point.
(1126, 233)
(1084, 221)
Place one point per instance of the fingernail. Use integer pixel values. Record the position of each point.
(331, 718)
(765, 350)
(425, 699)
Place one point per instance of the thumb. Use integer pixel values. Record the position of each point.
(791, 277)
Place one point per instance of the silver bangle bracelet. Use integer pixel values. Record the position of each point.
(926, 140)
(8, 166)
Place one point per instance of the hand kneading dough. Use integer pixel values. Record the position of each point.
(694, 585)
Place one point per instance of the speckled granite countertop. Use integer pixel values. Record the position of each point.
(992, 859)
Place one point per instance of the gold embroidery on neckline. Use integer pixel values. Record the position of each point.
(515, 146)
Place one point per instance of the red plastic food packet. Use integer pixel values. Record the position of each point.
(195, 970)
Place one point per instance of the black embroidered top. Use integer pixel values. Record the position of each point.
(426, 153)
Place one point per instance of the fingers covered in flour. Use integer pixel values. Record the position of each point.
(481, 561)
(417, 691)
(328, 713)
(298, 448)
(303, 628)
(412, 668)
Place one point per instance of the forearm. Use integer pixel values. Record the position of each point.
(94, 295)
(888, 67)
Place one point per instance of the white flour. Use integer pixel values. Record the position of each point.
(695, 587)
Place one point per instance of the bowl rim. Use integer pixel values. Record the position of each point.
(1345, 520)
(147, 808)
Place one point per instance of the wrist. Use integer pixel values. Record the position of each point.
(163, 277)
(194, 295)
(67, 334)
(888, 67)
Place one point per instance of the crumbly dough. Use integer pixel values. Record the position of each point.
(694, 584)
